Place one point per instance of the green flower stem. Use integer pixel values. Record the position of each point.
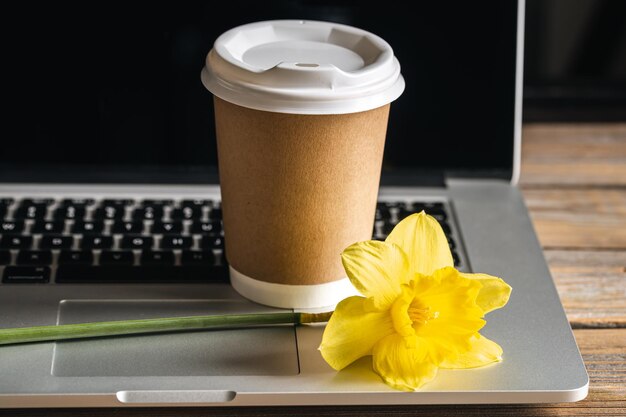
(171, 324)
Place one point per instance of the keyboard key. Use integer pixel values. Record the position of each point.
(5, 257)
(176, 242)
(215, 213)
(117, 202)
(127, 227)
(117, 258)
(382, 213)
(451, 242)
(96, 242)
(148, 213)
(35, 211)
(76, 257)
(69, 212)
(156, 203)
(456, 258)
(428, 207)
(109, 213)
(157, 258)
(187, 213)
(212, 242)
(34, 257)
(44, 201)
(3, 211)
(56, 242)
(214, 227)
(6, 201)
(11, 227)
(204, 257)
(196, 203)
(48, 227)
(26, 274)
(16, 242)
(80, 227)
(167, 227)
(137, 242)
(77, 202)
(141, 274)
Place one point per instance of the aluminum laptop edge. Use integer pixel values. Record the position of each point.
(281, 365)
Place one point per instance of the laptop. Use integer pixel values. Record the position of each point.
(110, 207)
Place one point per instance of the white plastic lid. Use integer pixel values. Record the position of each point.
(304, 67)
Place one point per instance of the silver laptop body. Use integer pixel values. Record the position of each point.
(280, 365)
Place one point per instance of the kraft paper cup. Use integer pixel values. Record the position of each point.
(301, 112)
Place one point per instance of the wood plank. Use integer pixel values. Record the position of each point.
(592, 286)
(574, 154)
(579, 218)
(604, 352)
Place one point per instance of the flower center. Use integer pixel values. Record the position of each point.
(420, 314)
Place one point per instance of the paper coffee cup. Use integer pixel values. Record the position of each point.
(301, 112)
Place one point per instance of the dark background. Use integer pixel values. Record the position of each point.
(575, 64)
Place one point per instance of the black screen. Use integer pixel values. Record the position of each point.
(112, 90)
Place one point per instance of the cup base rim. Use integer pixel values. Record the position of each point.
(292, 296)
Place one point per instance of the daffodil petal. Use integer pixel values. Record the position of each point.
(403, 363)
(421, 237)
(352, 332)
(377, 270)
(494, 293)
(482, 352)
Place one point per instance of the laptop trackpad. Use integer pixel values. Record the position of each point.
(251, 351)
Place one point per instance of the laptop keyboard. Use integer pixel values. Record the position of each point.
(45, 240)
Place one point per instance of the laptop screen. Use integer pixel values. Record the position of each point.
(115, 95)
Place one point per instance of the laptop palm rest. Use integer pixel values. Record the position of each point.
(250, 351)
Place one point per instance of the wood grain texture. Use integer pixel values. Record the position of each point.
(592, 286)
(574, 154)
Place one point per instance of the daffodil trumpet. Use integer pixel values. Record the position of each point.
(417, 313)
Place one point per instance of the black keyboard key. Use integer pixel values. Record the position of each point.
(176, 242)
(213, 227)
(11, 227)
(157, 258)
(5, 257)
(109, 213)
(137, 242)
(148, 213)
(76, 257)
(196, 203)
(77, 202)
(212, 242)
(117, 258)
(142, 274)
(167, 228)
(96, 242)
(446, 227)
(3, 211)
(451, 242)
(187, 213)
(215, 213)
(34, 257)
(127, 227)
(429, 208)
(382, 213)
(156, 203)
(26, 274)
(36, 201)
(194, 257)
(56, 242)
(117, 202)
(6, 201)
(34, 211)
(48, 227)
(80, 227)
(16, 241)
(69, 212)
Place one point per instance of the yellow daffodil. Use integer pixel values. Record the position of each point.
(417, 313)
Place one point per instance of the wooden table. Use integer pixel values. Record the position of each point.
(574, 181)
